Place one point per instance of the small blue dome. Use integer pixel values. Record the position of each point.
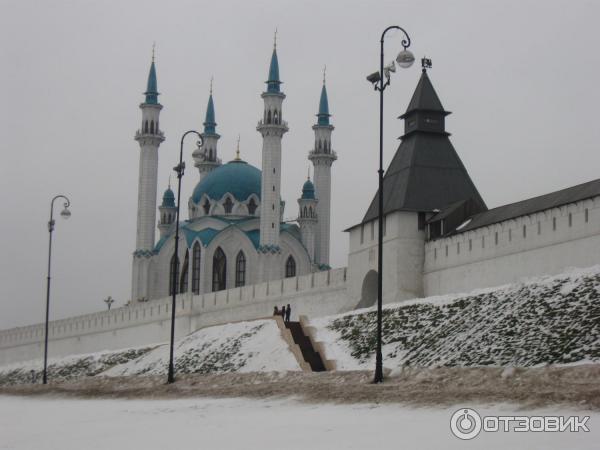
(237, 177)
(169, 198)
(308, 190)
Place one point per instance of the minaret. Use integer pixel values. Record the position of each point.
(167, 211)
(205, 157)
(307, 217)
(149, 137)
(322, 157)
(272, 128)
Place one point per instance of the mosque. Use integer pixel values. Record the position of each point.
(235, 234)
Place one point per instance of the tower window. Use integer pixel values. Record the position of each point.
(240, 269)
(570, 219)
(496, 238)
(196, 254)
(554, 224)
(269, 117)
(228, 205)
(152, 127)
(273, 206)
(252, 206)
(272, 225)
(206, 207)
(524, 231)
(509, 234)
(372, 230)
(305, 212)
(273, 188)
(219, 270)
(290, 267)
(435, 253)
(146, 126)
(587, 215)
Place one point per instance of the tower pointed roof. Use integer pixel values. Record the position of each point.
(210, 125)
(273, 82)
(323, 115)
(425, 98)
(426, 172)
(152, 86)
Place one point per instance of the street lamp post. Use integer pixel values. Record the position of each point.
(65, 214)
(179, 170)
(380, 81)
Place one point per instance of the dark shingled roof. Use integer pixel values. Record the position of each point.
(534, 205)
(424, 98)
(426, 173)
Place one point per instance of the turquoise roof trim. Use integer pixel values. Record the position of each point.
(152, 87)
(273, 82)
(205, 236)
(308, 190)
(209, 121)
(237, 178)
(323, 116)
(168, 199)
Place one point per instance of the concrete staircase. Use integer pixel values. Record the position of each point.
(312, 357)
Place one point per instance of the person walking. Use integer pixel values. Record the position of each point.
(275, 311)
(288, 312)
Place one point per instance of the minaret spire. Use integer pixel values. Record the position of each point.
(272, 128)
(149, 138)
(205, 157)
(322, 157)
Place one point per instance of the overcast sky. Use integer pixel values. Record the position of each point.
(520, 77)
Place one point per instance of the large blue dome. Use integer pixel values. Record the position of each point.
(237, 177)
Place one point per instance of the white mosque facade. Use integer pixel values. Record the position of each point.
(235, 234)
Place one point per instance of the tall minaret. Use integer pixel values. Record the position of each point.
(307, 217)
(272, 128)
(205, 157)
(322, 158)
(149, 137)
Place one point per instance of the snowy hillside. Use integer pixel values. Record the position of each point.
(550, 320)
(69, 367)
(252, 346)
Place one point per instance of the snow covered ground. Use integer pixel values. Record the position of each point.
(544, 320)
(52, 423)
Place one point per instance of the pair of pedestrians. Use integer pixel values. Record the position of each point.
(285, 312)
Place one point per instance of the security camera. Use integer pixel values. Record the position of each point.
(374, 77)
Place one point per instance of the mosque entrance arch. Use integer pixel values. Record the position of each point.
(368, 295)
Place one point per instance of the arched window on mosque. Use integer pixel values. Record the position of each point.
(146, 126)
(252, 206)
(228, 205)
(269, 117)
(305, 212)
(196, 254)
(183, 284)
(240, 269)
(173, 274)
(290, 267)
(152, 127)
(219, 270)
(275, 117)
(206, 207)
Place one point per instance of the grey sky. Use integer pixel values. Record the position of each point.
(520, 77)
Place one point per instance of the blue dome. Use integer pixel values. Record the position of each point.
(237, 177)
(308, 190)
(168, 198)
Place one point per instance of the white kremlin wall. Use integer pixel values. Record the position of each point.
(313, 295)
(553, 240)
